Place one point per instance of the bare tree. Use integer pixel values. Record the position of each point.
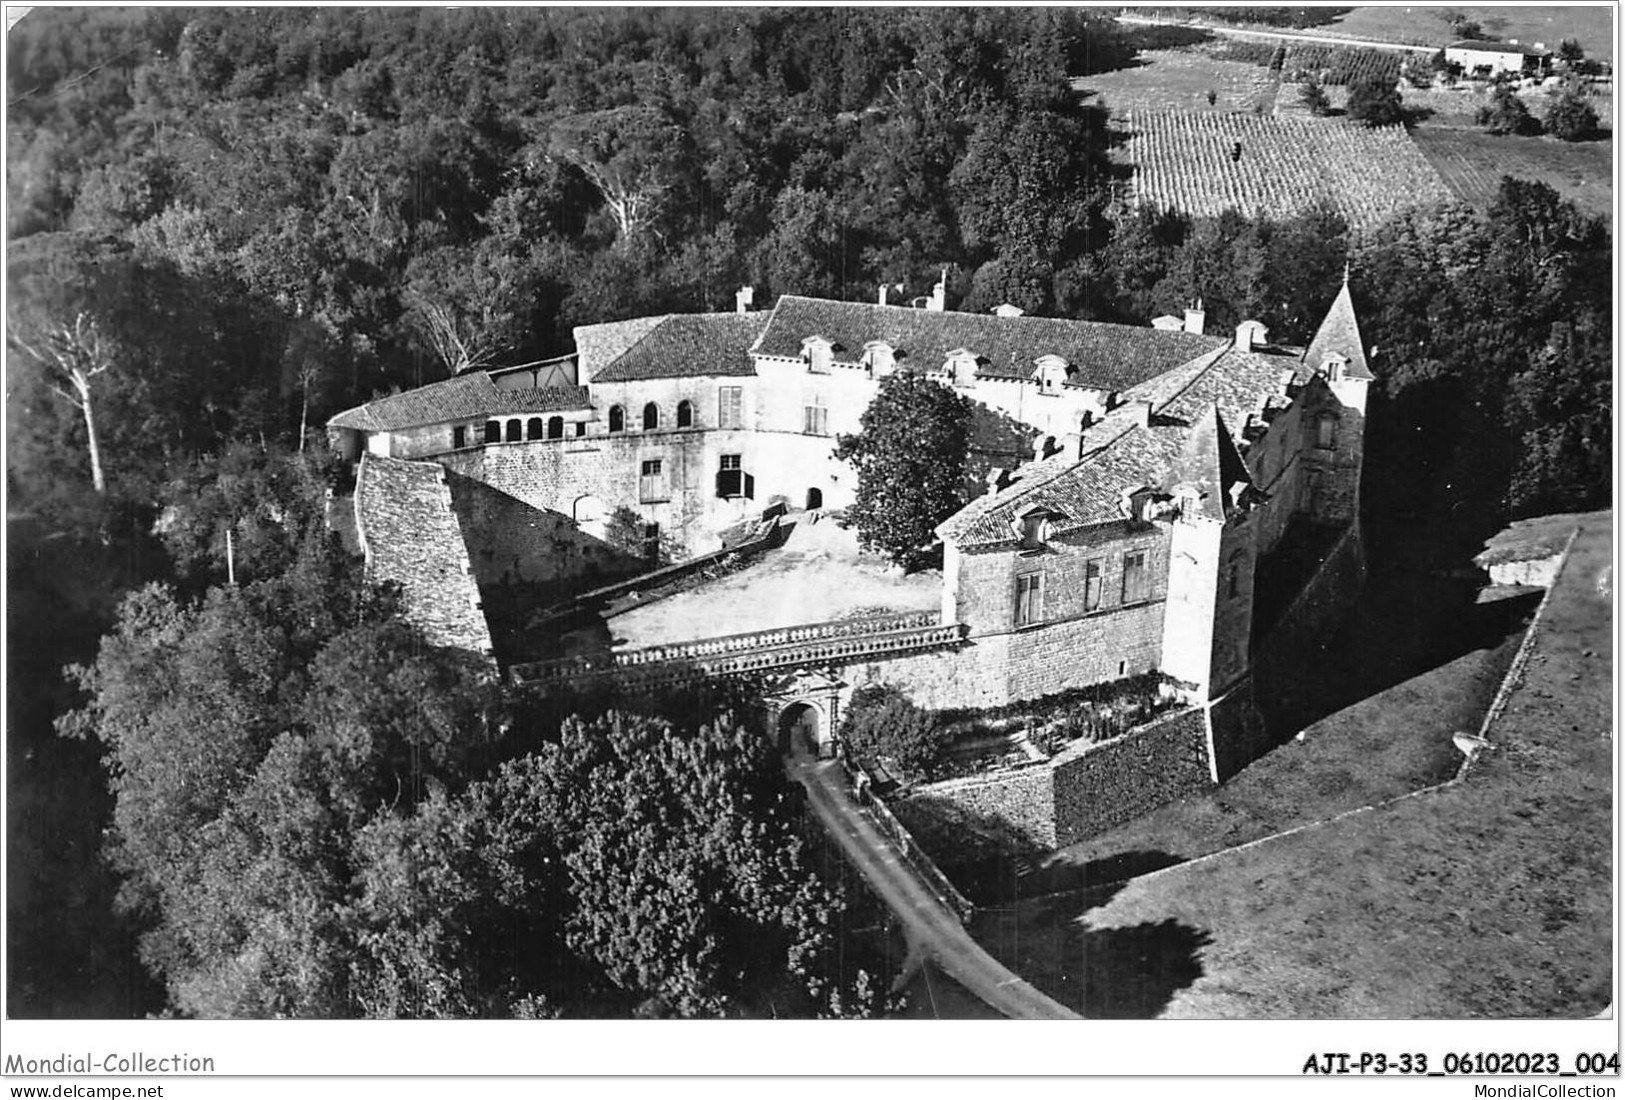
(624, 152)
(73, 355)
(457, 344)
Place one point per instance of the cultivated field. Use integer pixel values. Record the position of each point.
(1188, 161)
(1472, 162)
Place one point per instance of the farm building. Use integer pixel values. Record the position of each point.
(1489, 59)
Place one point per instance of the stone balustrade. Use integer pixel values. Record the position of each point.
(812, 643)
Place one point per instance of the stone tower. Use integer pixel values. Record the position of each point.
(1335, 449)
(1207, 626)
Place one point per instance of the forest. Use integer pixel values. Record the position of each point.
(226, 225)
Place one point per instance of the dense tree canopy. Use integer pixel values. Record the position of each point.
(910, 455)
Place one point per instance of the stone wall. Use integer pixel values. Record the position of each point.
(511, 541)
(1015, 807)
(1237, 731)
(1098, 786)
(1081, 791)
(1305, 629)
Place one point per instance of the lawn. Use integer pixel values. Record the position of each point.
(1489, 898)
(1472, 162)
(1182, 78)
(1593, 27)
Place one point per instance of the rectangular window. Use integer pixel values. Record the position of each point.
(1326, 433)
(1029, 599)
(731, 477)
(731, 407)
(652, 483)
(459, 438)
(1091, 586)
(1134, 589)
(581, 428)
(816, 421)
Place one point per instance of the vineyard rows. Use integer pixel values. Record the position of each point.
(1185, 161)
(1339, 64)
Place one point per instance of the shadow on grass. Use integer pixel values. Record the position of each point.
(1133, 973)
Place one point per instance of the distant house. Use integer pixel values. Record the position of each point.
(1488, 59)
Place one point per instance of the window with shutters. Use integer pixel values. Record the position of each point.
(1029, 599)
(816, 418)
(1134, 579)
(731, 407)
(732, 480)
(1092, 585)
(652, 488)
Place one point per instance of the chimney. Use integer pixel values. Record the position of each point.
(743, 298)
(1139, 412)
(998, 480)
(939, 295)
(1195, 318)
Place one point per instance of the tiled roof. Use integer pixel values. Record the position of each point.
(405, 520)
(1238, 382)
(1210, 464)
(597, 346)
(466, 397)
(1118, 455)
(1340, 333)
(689, 345)
(1107, 356)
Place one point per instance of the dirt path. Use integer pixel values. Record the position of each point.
(931, 929)
(1284, 36)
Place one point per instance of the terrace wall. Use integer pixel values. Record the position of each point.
(1082, 790)
(1098, 786)
(1019, 802)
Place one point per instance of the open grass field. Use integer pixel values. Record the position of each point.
(1490, 898)
(1472, 162)
(1421, 25)
(1181, 79)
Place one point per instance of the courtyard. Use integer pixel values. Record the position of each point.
(816, 574)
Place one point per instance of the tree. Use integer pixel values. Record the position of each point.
(626, 153)
(1313, 97)
(1375, 101)
(910, 455)
(883, 722)
(1570, 117)
(687, 880)
(1505, 113)
(73, 355)
(1569, 51)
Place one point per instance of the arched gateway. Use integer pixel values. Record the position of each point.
(803, 708)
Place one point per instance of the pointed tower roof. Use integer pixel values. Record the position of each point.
(1340, 332)
(1210, 464)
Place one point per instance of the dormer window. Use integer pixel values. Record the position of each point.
(1051, 373)
(879, 357)
(1033, 528)
(1333, 367)
(818, 353)
(960, 366)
